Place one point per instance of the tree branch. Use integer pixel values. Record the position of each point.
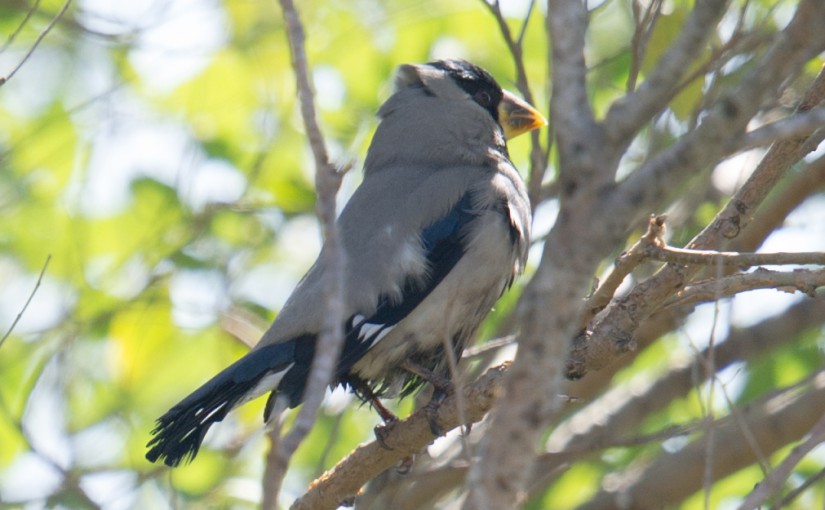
(621, 409)
(653, 181)
(798, 125)
(667, 479)
(629, 114)
(28, 301)
(730, 258)
(798, 280)
(22, 24)
(612, 334)
(623, 266)
(37, 42)
(551, 304)
(538, 158)
(330, 340)
(407, 437)
(772, 484)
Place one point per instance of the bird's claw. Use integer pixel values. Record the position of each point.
(383, 431)
(431, 410)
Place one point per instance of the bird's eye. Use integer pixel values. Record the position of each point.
(483, 98)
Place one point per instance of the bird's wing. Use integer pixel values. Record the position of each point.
(443, 242)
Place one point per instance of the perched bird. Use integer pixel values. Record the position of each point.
(435, 233)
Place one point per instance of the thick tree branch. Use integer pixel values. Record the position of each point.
(612, 334)
(407, 437)
(622, 409)
(551, 304)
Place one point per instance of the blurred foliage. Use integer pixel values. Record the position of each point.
(154, 150)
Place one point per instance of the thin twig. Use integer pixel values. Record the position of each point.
(702, 292)
(327, 182)
(641, 35)
(792, 495)
(37, 41)
(773, 483)
(488, 346)
(19, 28)
(524, 23)
(538, 159)
(31, 296)
(731, 258)
(798, 125)
(624, 265)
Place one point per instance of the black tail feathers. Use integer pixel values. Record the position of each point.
(178, 433)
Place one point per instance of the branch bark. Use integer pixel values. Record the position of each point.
(330, 340)
(668, 479)
(613, 331)
(407, 437)
(772, 484)
(627, 115)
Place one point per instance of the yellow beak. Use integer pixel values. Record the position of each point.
(516, 116)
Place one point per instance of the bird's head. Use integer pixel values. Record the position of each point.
(459, 80)
(447, 113)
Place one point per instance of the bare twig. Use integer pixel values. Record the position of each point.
(538, 159)
(792, 495)
(327, 182)
(491, 345)
(795, 126)
(626, 116)
(523, 31)
(623, 266)
(612, 335)
(644, 25)
(22, 24)
(37, 41)
(29, 300)
(772, 484)
(731, 258)
(702, 292)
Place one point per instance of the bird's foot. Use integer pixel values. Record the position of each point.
(431, 411)
(383, 431)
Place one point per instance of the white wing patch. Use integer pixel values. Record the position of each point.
(370, 332)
